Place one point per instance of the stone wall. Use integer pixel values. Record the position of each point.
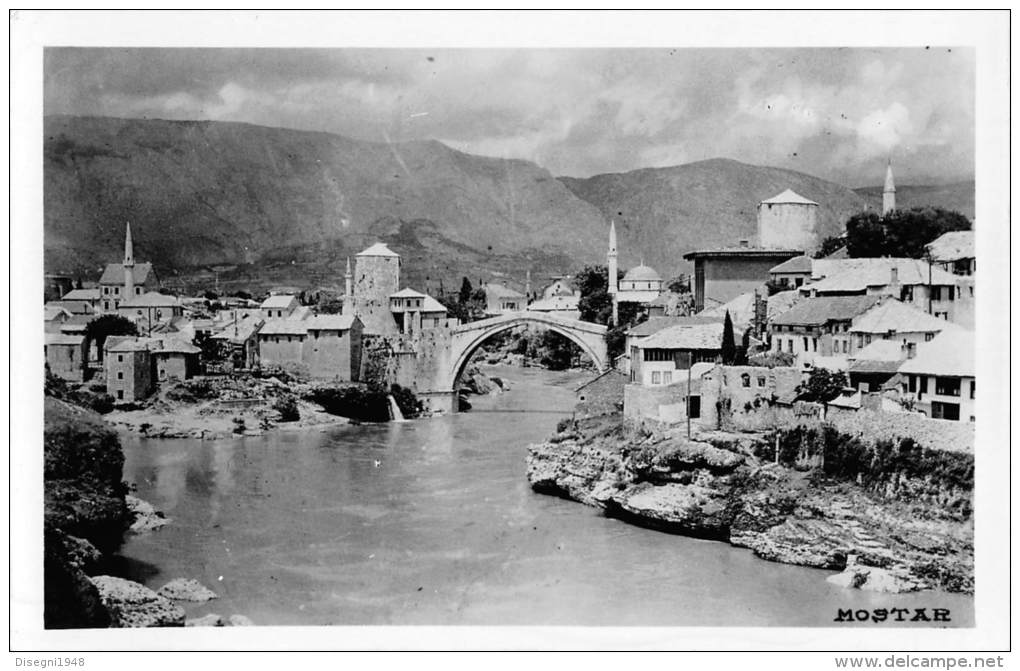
(665, 403)
(936, 434)
(602, 396)
(726, 403)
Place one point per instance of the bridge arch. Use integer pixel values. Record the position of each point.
(467, 338)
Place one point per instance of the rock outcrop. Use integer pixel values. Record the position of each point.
(185, 589)
(133, 605)
(147, 518)
(715, 488)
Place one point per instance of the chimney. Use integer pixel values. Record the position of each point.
(894, 275)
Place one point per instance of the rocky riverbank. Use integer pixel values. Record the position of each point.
(715, 486)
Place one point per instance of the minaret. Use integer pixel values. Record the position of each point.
(611, 258)
(129, 265)
(889, 192)
(527, 286)
(348, 281)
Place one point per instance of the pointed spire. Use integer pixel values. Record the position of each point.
(612, 236)
(889, 184)
(889, 191)
(348, 272)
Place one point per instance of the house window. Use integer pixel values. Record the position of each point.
(867, 338)
(846, 346)
(945, 411)
(745, 380)
(656, 377)
(912, 383)
(936, 293)
(667, 377)
(942, 315)
(116, 290)
(805, 344)
(911, 350)
(120, 394)
(789, 345)
(70, 355)
(947, 386)
(138, 291)
(973, 383)
(761, 381)
(923, 384)
(106, 290)
(928, 337)
(120, 375)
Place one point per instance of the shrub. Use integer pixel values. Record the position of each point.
(239, 426)
(288, 408)
(353, 402)
(201, 388)
(408, 403)
(101, 402)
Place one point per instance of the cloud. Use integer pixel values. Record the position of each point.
(829, 112)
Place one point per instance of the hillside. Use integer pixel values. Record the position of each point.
(662, 213)
(958, 197)
(238, 205)
(269, 202)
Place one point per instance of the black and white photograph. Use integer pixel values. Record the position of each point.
(360, 332)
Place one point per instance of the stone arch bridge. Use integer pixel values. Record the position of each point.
(448, 363)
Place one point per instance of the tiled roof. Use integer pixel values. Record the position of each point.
(81, 295)
(408, 292)
(151, 299)
(881, 350)
(378, 249)
(51, 312)
(555, 303)
(686, 336)
(949, 353)
(128, 344)
(329, 322)
(114, 273)
(953, 246)
(73, 307)
(894, 315)
(502, 291)
(432, 305)
(284, 327)
(862, 273)
(176, 346)
(789, 196)
(798, 264)
(822, 310)
(741, 308)
(278, 302)
(63, 339)
(655, 324)
(737, 252)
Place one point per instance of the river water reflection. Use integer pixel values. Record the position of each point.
(433, 522)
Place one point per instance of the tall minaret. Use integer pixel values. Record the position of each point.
(527, 286)
(611, 258)
(129, 265)
(889, 192)
(348, 281)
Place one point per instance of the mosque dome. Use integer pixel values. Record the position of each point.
(641, 273)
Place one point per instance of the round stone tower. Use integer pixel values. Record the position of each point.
(376, 277)
(788, 221)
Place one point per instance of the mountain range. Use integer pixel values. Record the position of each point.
(252, 205)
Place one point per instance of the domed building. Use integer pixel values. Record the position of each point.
(641, 284)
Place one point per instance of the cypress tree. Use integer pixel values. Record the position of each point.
(729, 344)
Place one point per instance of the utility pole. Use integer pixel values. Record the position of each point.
(927, 256)
(688, 359)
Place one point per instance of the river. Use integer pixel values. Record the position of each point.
(433, 522)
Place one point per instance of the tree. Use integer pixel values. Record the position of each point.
(557, 351)
(104, 326)
(822, 385)
(729, 343)
(830, 245)
(900, 233)
(464, 296)
(681, 284)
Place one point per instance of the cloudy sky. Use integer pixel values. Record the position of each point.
(834, 113)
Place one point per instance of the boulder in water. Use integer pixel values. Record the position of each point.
(132, 605)
(185, 589)
(210, 620)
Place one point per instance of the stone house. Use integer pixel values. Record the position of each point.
(279, 307)
(85, 301)
(175, 359)
(376, 277)
(941, 378)
(333, 347)
(792, 273)
(747, 397)
(896, 321)
(130, 369)
(281, 342)
(54, 317)
(819, 326)
(112, 284)
(239, 341)
(913, 281)
(602, 395)
(650, 327)
(414, 311)
(789, 221)
(150, 309)
(954, 252)
(873, 366)
(501, 299)
(661, 358)
(67, 356)
(720, 275)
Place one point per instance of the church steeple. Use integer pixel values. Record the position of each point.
(889, 191)
(129, 264)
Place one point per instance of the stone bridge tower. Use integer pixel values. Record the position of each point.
(376, 277)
